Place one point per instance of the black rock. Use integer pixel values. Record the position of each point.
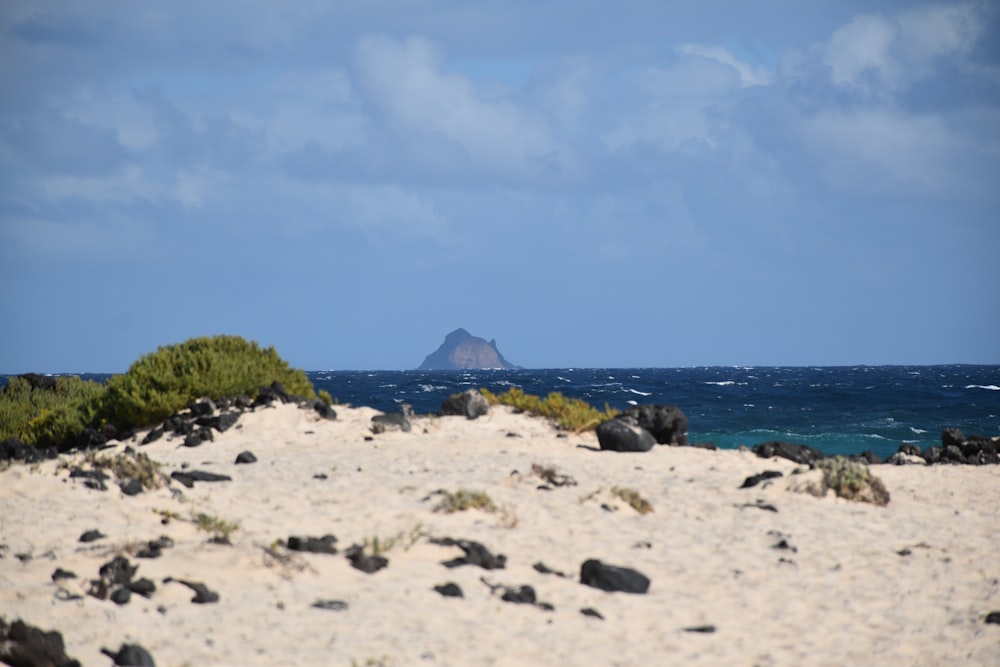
(13, 449)
(705, 629)
(154, 548)
(324, 410)
(131, 486)
(92, 535)
(612, 578)
(143, 587)
(330, 605)
(754, 480)
(475, 554)
(542, 568)
(868, 457)
(952, 436)
(786, 450)
(202, 593)
(366, 563)
(118, 571)
(469, 404)
(909, 449)
(121, 596)
(449, 590)
(520, 595)
(130, 655)
(275, 392)
(196, 438)
(318, 545)
(246, 457)
(993, 617)
(590, 611)
(623, 434)
(153, 435)
(667, 423)
(202, 407)
(61, 574)
(189, 477)
(23, 645)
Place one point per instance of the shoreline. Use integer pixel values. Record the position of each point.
(906, 584)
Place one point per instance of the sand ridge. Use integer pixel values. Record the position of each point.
(820, 581)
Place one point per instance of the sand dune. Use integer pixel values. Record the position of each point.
(819, 581)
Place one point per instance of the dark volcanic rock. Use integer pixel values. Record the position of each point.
(23, 645)
(475, 554)
(469, 404)
(130, 655)
(202, 593)
(667, 423)
(121, 595)
(154, 435)
(13, 449)
(246, 457)
(365, 562)
(624, 435)
(196, 438)
(612, 578)
(131, 487)
(189, 477)
(786, 450)
(993, 617)
(461, 350)
(91, 536)
(324, 410)
(118, 571)
(61, 574)
(952, 436)
(754, 480)
(144, 587)
(154, 548)
(317, 545)
(590, 611)
(519, 595)
(449, 590)
(330, 605)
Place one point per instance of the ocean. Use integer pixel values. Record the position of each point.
(838, 410)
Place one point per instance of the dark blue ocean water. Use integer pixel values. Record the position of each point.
(839, 410)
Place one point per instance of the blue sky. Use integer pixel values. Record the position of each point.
(593, 184)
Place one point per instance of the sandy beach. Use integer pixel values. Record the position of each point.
(761, 576)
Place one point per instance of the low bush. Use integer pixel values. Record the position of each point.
(154, 387)
(852, 481)
(48, 415)
(569, 414)
(165, 381)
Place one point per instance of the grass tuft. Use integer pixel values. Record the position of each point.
(633, 498)
(569, 414)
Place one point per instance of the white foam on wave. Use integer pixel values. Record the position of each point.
(918, 431)
(630, 402)
(640, 393)
(432, 387)
(723, 383)
(991, 387)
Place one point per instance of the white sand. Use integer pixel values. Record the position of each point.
(843, 596)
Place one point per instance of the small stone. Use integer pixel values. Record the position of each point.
(130, 655)
(993, 617)
(612, 578)
(143, 587)
(202, 593)
(330, 605)
(92, 535)
(754, 480)
(121, 596)
(61, 574)
(319, 545)
(449, 590)
(246, 457)
(590, 611)
(704, 629)
(131, 487)
(362, 561)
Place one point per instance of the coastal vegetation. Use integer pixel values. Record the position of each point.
(852, 481)
(569, 414)
(58, 410)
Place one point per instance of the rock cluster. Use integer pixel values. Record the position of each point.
(638, 428)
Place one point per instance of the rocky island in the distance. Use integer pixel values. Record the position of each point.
(461, 350)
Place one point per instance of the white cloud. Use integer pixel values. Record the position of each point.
(405, 80)
(749, 74)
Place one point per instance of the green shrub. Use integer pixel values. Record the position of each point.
(633, 498)
(165, 381)
(569, 414)
(43, 416)
(852, 481)
(463, 500)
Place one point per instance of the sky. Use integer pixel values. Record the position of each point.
(644, 183)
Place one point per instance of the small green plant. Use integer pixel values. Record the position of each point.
(569, 414)
(221, 529)
(463, 500)
(135, 465)
(378, 546)
(852, 481)
(325, 396)
(633, 498)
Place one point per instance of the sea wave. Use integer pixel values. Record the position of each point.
(723, 383)
(991, 387)
(640, 393)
